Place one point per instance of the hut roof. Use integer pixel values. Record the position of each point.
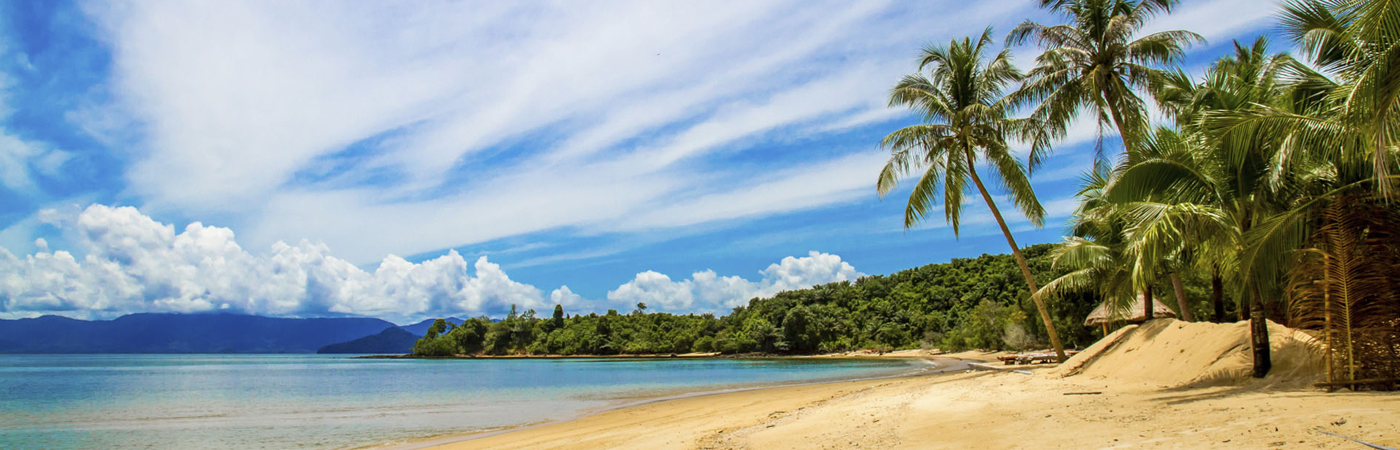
(1106, 312)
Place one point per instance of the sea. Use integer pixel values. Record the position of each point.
(335, 401)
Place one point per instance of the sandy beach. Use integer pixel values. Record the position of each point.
(1166, 384)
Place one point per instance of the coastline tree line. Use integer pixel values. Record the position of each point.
(966, 303)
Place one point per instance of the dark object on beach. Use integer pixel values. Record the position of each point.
(1084, 393)
(1033, 358)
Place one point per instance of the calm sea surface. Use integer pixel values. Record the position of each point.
(326, 401)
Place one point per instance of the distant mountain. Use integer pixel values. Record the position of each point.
(181, 333)
(421, 328)
(394, 340)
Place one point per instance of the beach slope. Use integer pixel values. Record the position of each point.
(1167, 384)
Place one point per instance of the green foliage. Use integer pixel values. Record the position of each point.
(965, 303)
(436, 328)
(436, 346)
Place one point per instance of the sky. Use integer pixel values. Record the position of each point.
(406, 160)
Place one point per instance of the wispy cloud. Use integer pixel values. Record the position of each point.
(599, 109)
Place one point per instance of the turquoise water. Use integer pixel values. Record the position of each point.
(331, 401)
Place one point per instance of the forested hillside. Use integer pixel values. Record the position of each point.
(965, 303)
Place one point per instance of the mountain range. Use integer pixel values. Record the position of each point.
(186, 333)
(391, 340)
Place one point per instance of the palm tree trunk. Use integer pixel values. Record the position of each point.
(1259, 334)
(1258, 328)
(1118, 121)
(1217, 294)
(1181, 297)
(1147, 305)
(1020, 259)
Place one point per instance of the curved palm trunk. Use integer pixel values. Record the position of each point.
(1020, 260)
(1181, 297)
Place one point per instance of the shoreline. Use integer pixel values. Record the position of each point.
(934, 365)
(639, 356)
(1164, 384)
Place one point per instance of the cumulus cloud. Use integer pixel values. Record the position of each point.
(130, 262)
(566, 297)
(707, 291)
(134, 264)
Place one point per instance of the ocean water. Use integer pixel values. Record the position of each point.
(332, 401)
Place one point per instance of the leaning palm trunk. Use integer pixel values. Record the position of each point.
(1181, 297)
(1020, 261)
(1344, 286)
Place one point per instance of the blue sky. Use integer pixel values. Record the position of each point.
(266, 157)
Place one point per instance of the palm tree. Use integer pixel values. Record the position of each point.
(1096, 63)
(1332, 142)
(1356, 41)
(1094, 254)
(966, 123)
(1165, 190)
(1224, 180)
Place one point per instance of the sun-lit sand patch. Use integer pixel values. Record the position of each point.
(1167, 384)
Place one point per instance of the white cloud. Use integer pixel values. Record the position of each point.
(579, 115)
(656, 290)
(707, 291)
(566, 297)
(1217, 19)
(134, 264)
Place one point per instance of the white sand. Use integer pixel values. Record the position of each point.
(1167, 384)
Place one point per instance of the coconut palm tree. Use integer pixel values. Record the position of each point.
(1096, 63)
(1093, 254)
(1356, 43)
(1333, 141)
(1165, 189)
(966, 123)
(1224, 180)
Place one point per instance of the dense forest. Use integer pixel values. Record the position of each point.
(966, 303)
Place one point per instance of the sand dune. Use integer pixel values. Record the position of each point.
(1167, 384)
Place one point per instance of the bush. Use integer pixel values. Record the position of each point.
(704, 345)
(437, 346)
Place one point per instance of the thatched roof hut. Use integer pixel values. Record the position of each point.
(1106, 313)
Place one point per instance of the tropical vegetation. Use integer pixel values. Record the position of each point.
(1272, 176)
(966, 303)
